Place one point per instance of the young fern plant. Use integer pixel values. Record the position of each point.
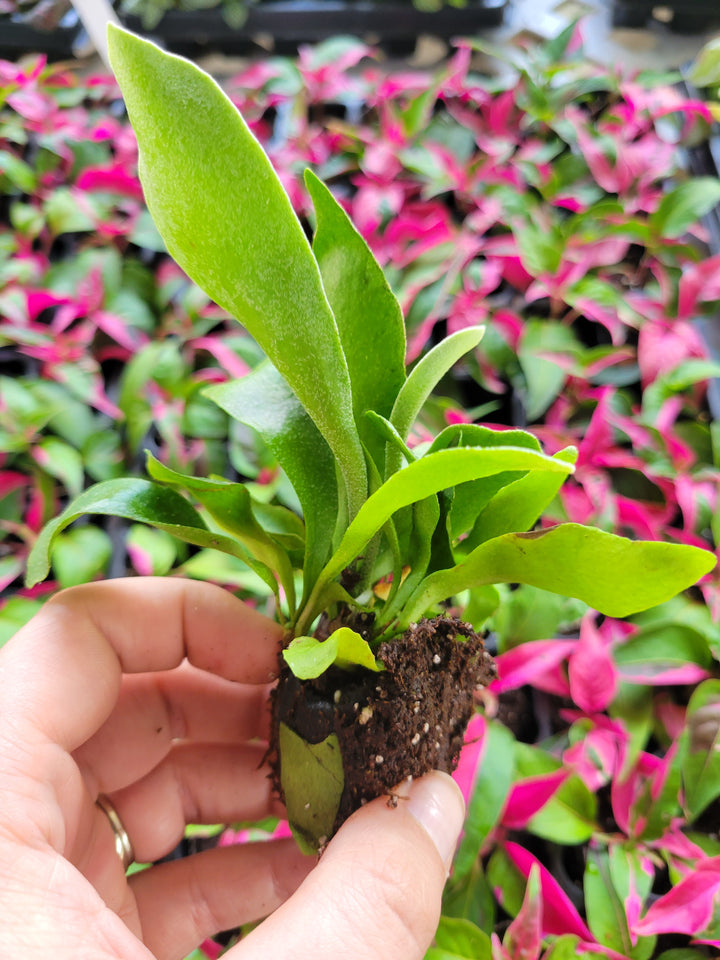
(377, 681)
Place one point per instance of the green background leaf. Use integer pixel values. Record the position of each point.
(492, 785)
(682, 207)
(80, 554)
(569, 816)
(230, 505)
(544, 379)
(700, 763)
(457, 939)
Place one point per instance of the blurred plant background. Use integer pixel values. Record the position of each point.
(560, 203)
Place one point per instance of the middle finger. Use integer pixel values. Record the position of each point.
(196, 783)
(154, 710)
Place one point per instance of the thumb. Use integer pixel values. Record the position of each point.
(376, 890)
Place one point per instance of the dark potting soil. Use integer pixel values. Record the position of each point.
(405, 721)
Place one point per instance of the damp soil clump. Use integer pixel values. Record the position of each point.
(404, 721)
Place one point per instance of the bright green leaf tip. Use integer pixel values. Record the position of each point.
(308, 657)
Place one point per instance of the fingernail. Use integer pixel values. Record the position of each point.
(437, 804)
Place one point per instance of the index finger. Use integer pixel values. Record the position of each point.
(62, 670)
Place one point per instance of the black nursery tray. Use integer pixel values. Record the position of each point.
(18, 39)
(704, 161)
(290, 22)
(688, 16)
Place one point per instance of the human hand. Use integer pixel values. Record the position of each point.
(155, 691)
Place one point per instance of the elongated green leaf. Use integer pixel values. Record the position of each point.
(458, 939)
(283, 524)
(605, 910)
(313, 780)
(492, 785)
(144, 502)
(544, 378)
(473, 435)
(469, 498)
(701, 749)
(469, 897)
(614, 575)
(61, 460)
(388, 434)
(263, 401)
(367, 314)
(706, 70)
(423, 519)
(222, 211)
(662, 647)
(80, 554)
(308, 657)
(517, 506)
(230, 505)
(434, 472)
(682, 207)
(424, 377)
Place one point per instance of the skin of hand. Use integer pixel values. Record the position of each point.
(154, 692)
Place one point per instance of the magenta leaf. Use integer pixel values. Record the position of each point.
(529, 796)
(533, 663)
(689, 906)
(598, 753)
(471, 755)
(113, 178)
(646, 800)
(559, 915)
(592, 672)
(523, 938)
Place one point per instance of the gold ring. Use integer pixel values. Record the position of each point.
(123, 844)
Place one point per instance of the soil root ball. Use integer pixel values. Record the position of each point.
(404, 721)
